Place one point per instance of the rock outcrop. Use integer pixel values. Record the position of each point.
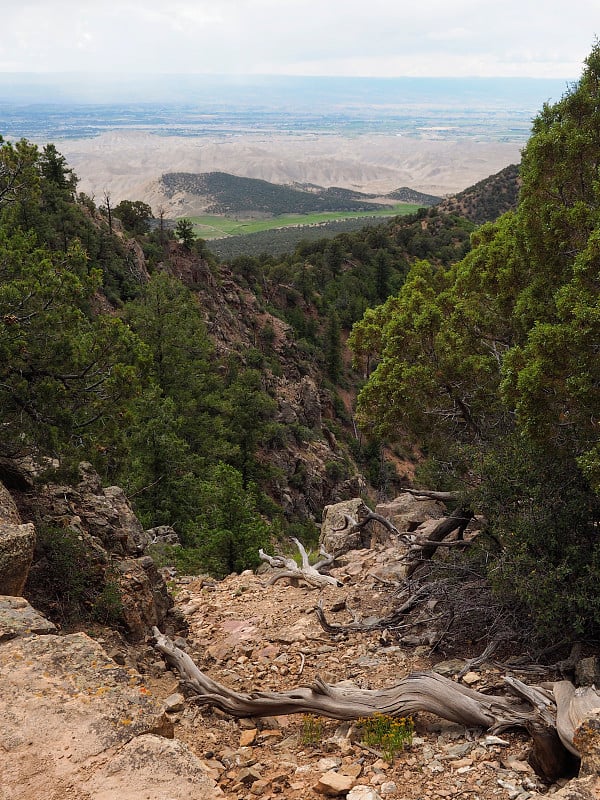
(17, 543)
(104, 522)
(407, 512)
(75, 723)
(337, 535)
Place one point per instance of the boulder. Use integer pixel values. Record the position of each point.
(74, 723)
(144, 596)
(17, 543)
(587, 741)
(407, 513)
(18, 618)
(337, 536)
(587, 671)
(163, 534)
(105, 514)
(8, 508)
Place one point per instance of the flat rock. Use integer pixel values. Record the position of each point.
(18, 618)
(333, 784)
(152, 768)
(71, 717)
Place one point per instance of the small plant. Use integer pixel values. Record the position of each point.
(312, 729)
(389, 734)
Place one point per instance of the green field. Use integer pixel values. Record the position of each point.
(213, 227)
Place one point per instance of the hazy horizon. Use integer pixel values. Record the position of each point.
(23, 88)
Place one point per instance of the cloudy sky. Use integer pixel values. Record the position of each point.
(536, 38)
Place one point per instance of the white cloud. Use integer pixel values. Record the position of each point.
(379, 37)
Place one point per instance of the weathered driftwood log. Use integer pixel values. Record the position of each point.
(308, 573)
(540, 711)
(426, 494)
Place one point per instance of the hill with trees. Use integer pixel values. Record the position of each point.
(491, 365)
(488, 199)
(231, 195)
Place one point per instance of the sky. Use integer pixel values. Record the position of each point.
(377, 38)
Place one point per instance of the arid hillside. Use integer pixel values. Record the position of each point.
(129, 165)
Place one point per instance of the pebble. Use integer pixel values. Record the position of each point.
(247, 737)
(362, 792)
(174, 702)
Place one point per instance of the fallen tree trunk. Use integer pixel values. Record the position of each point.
(426, 494)
(536, 709)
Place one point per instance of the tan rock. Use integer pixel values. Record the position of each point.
(17, 543)
(70, 716)
(336, 535)
(247, 737)
(362, 792)
(18, 618)
(333, 784)
(407, 513)
(8, 508)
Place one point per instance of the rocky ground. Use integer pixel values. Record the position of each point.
(88, 716)
(249, 636)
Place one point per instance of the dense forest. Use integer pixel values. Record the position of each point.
(477, 348)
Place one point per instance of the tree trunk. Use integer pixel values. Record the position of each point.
(549, 717)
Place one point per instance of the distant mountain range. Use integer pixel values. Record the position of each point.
(230, 195)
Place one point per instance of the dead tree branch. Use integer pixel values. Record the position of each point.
(550, 717)
(289, 569)
(426, 494)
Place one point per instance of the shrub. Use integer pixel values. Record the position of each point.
(390, 734)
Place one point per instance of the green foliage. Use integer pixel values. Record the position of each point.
(228, 531)
(184, 231)
(71, 581)
(135, 216)
(389, 734)
(64, 375)
(491, 366)
(312, 730)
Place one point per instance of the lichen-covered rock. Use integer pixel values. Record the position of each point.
(407, 513)
(17, 543)
(74, 723)
(587, 741)
(337, 536)
(18, 618)
(8, 509)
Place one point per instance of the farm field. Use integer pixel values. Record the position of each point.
(216, 227)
